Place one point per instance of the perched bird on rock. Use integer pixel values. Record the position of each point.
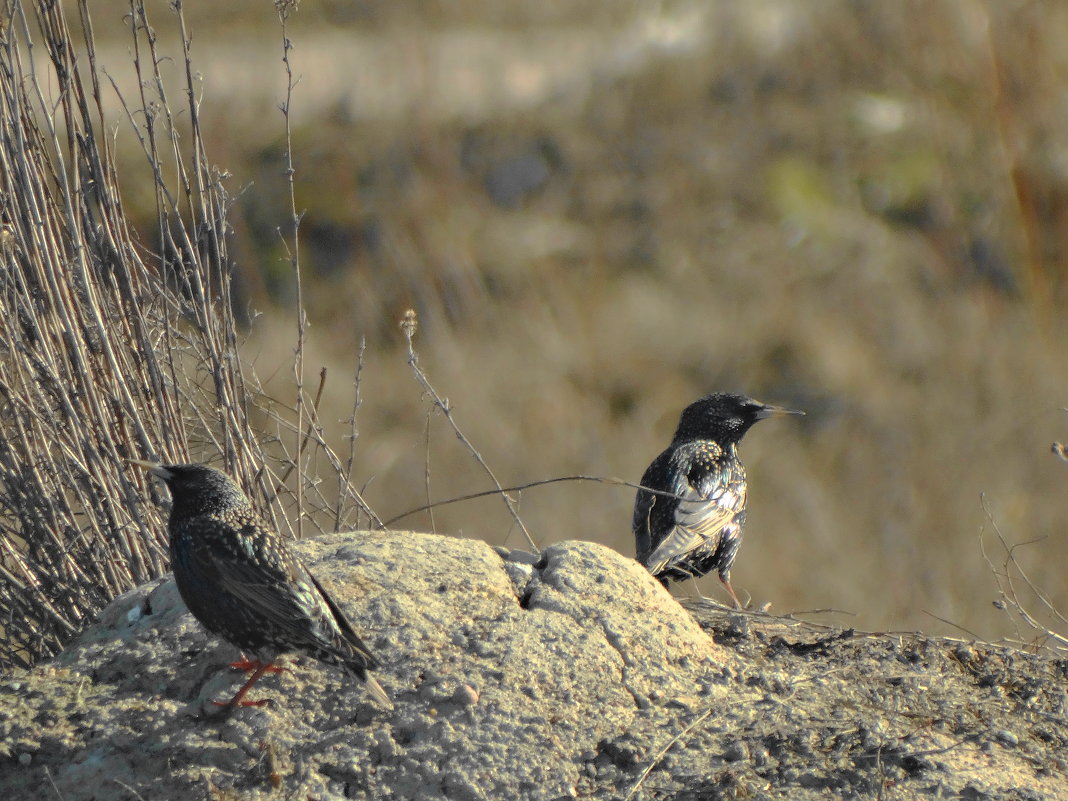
(695, 525)
(242, 583)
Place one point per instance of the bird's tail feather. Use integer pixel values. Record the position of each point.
(375, 690)
(678, 544)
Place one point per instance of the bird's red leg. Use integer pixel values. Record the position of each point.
(727, 583)
(250, 665)
(236, 700)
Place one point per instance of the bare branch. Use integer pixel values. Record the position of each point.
(409, 325)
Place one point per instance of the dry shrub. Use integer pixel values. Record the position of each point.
(107, 351)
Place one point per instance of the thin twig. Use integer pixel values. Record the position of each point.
(308, 431)
(344, 479)
(1010, 598)
(520, 487)
(957, 626)
(409, 325)
(52, 783)
(129, 789)
(285, 425)
(426, 478)
(670, 744)
(285, 8)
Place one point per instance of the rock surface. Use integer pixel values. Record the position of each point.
(573, 676)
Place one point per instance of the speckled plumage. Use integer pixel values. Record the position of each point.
(242, 583)
(698, 527)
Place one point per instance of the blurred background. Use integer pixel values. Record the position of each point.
(601, 211)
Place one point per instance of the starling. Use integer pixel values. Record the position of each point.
(243, 584)
(695, 525)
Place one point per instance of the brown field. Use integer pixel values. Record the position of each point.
(601, 211)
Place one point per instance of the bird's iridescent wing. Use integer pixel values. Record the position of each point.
(647, 507)
(275, 588)
(702, 513)
(348, 642)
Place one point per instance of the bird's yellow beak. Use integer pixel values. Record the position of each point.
(776, 411)
(152, 468)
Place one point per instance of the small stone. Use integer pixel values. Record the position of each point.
(1007, 737)
(732, 631)
(25, 759)
(735, 752)
(964, 653)
(687, 702)
(465, 695)
(759, 755)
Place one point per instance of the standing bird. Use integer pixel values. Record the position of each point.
(695, 525)
(241, 582)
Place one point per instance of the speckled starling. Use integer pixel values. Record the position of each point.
(696, 526)
(243, 584)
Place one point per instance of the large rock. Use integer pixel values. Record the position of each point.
(572, 676)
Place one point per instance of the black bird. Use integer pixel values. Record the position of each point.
(696, 526)
(242, 583)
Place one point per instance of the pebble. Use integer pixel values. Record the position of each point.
(1007, 737)
(465, 695)
(734, 752)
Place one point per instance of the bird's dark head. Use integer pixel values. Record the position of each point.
(724, 417)
(197, 488)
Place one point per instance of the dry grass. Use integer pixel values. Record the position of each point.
(108, 352)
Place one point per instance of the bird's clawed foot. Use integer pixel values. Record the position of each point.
(252, 665)
(734, 596)
(258, 668)
(234, 703)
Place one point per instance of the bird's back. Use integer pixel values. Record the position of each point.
(202, 547)
(240, 580)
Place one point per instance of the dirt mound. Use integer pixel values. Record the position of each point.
(572, 675)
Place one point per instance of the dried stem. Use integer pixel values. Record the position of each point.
(285, 8)
(1010, 594)
(108, 352)
(409, 324)
(426, 478)
(520, 487)
(345, 479)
